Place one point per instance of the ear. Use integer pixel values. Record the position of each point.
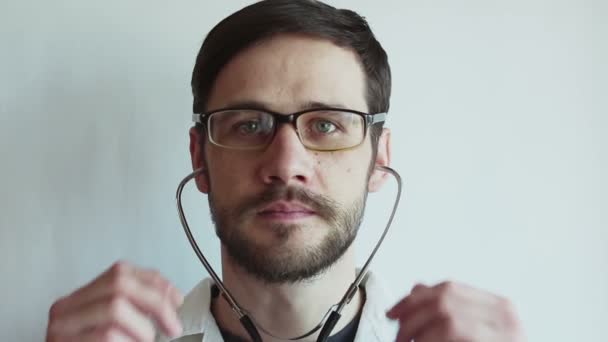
(383, 158)
(197, 154)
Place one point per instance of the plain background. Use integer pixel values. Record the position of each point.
(499, 129)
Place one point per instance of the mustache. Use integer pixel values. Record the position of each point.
(323, 206)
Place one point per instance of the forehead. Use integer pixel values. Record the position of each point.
(287, 72)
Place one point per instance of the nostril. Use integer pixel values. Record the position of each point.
(277, 178)
(274, 180)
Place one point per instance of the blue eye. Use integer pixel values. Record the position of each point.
(324, 126)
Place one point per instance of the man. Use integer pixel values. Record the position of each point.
(286, 198)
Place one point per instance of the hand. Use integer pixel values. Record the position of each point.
(119, 305)
(451, 312)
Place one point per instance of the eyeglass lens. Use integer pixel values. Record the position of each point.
(322, 130)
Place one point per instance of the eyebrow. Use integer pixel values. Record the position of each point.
(260, 105)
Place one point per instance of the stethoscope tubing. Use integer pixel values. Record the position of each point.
(331, 318)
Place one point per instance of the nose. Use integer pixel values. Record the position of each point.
(286, 161)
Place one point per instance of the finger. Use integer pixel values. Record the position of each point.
(95, 289)
(112, 279)
(154, 279)
(117, 313)
(456, 312)
(425, 305)
(476, 304)
(153, 303)
(476, 324)
(401, 337)
(418, 295)
(126, 281)
(105, 334)
(446, 329)
(465, 291)
(421, 318)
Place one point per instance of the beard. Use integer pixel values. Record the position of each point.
(280, 263)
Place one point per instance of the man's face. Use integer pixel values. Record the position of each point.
(286, 213)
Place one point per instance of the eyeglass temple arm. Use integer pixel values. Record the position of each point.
(375, 118)
(197, 118)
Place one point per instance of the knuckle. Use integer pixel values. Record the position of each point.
(120, 277)
(506, 305)
(119, 268)
(155, 275)
(116, 306)
(158, 280)
(441, 306)
(118, 283)
(164, 289)
(509, 313)
(55, 309)
(417, 288)
(447, 288)
(168, 293)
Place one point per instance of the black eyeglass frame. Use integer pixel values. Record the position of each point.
(280, 118)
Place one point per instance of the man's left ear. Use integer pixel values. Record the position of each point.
(383, 158)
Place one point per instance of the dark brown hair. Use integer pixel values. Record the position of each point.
(267, 18)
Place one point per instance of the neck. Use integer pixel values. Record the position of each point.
(286, 310)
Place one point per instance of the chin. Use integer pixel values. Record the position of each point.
(291, 235)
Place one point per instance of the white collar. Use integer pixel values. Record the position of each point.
(196, 317)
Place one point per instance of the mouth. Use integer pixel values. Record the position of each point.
(284, 210)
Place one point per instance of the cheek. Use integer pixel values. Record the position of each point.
(227, 174)
(344, 177)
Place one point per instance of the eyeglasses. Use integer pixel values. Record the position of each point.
(320, 129)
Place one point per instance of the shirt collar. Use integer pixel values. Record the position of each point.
(196, 317)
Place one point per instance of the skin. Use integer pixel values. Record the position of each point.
(285, 73)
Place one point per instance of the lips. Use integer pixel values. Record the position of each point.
(286, 208)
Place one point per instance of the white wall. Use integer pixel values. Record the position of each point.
(499, 121)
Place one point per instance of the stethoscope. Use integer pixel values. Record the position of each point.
(332, 316)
